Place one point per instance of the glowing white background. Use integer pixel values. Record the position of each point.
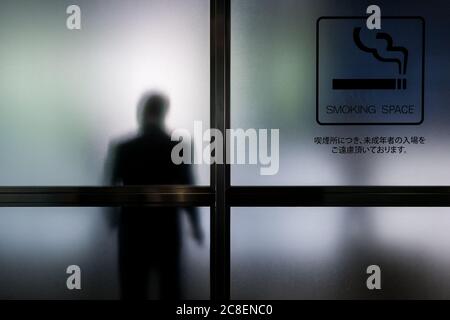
(67, 94)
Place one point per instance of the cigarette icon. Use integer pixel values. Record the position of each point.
(369, 84)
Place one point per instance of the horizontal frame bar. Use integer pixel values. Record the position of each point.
(245, 196)
(173, 196)
(354, 196)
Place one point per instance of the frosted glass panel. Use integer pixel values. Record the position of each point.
(38, 244)
(67, 95)
(323, 253)
(273, 85)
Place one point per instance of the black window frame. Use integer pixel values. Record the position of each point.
(220, 196)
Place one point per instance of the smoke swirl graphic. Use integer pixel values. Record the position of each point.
(402, 64)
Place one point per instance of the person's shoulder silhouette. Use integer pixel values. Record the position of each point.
(146, 158)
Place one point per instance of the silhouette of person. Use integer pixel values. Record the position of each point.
(149, 238)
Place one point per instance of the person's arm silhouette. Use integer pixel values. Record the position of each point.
(194, 219)
(192, 212)
(113, 177)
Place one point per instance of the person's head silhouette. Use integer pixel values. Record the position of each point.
(152, 111)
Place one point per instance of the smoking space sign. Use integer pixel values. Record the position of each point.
(370, 77)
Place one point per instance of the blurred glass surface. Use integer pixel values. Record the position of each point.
(67, 94)
(273, 85)
(38, 244)
(323, 253)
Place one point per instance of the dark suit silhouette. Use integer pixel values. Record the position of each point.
(149, 238)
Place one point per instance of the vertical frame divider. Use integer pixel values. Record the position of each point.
(220, 173)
